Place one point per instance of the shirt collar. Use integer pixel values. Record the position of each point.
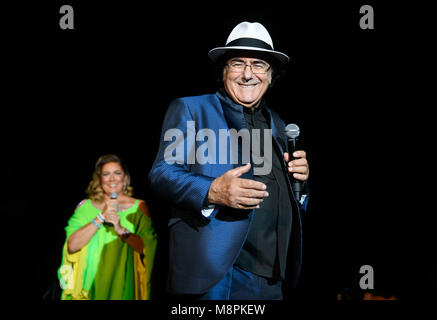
(224, 97)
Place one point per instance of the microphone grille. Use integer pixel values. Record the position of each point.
(292, 131)
(113, 195)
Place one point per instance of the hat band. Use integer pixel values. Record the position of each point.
(249, 42)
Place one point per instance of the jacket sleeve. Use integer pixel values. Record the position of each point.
(171, 175)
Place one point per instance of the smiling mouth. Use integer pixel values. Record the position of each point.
(248, 85)
(113, 185)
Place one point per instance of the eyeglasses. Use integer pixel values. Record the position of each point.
(256, 68)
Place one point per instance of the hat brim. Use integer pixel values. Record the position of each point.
(281, 58)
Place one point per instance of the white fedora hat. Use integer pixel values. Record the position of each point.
(247, 36)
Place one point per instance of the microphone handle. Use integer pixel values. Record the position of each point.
(109, 224)
(297, 189)
(296, 185)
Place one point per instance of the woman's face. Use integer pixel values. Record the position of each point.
(113, 178)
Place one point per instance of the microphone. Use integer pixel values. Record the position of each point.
(292, 132)
(112, 196)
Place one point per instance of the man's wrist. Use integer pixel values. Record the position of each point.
(209, 201)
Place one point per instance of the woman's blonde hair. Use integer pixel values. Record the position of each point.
(95, 191)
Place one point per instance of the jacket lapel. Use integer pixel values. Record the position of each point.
(234, 116)
(276, 134)
(233, 112)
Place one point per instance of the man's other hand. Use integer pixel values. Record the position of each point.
(235, 192)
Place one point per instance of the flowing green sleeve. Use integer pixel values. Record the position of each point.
(71, 271)
(144, 264)
(81, 217)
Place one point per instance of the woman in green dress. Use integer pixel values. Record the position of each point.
(110, 243)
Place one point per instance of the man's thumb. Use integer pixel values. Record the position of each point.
(240, 170)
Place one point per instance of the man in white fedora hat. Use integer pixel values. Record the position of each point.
(235, 222)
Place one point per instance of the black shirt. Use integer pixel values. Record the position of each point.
(265, 250)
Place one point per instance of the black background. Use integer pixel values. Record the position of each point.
(72, 95)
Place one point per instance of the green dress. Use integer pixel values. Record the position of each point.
(108, 268)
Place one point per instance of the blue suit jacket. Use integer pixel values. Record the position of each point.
(201, 250)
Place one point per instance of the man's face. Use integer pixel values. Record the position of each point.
(243, 85)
